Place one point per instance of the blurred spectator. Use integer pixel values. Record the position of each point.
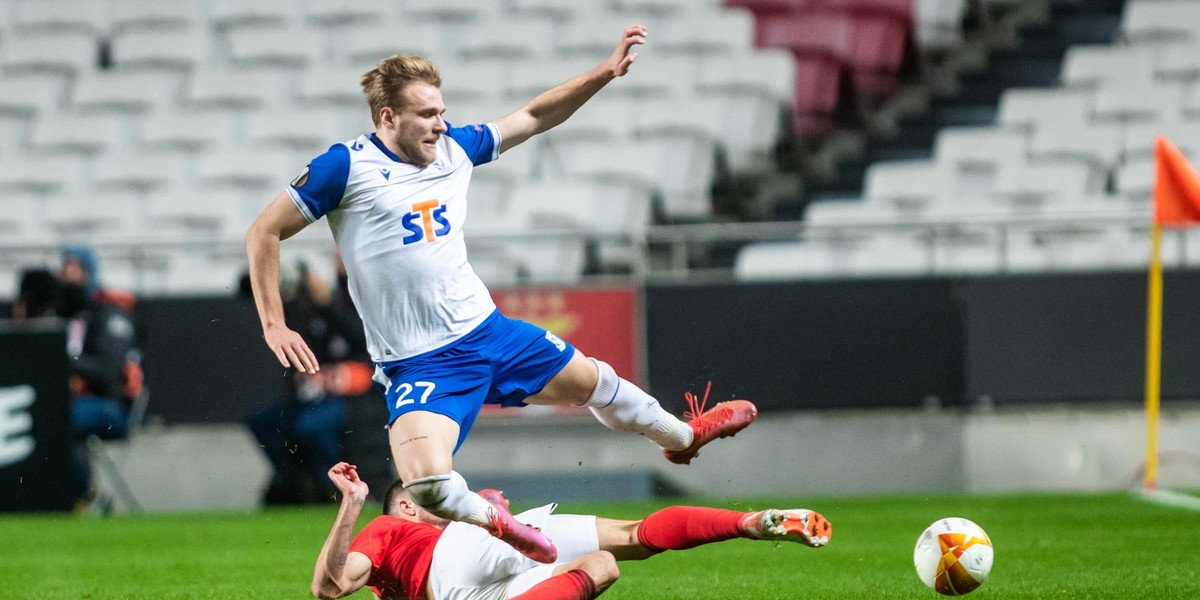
(104, 360)
(302, 435)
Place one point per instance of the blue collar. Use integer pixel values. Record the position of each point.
(382, 148)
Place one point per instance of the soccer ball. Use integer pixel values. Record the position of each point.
(953, 556)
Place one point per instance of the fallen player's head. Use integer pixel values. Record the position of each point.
(398, 502)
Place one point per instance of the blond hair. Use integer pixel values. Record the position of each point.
(384, 84)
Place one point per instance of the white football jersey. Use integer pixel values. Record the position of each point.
(399, 229)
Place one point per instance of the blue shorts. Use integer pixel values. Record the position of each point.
(502, 361)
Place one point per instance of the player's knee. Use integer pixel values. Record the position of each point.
(601, 566)
(430, 492)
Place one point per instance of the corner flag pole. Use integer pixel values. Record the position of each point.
(1153, 355)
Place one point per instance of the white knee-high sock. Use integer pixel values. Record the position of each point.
(623, 406)
(448, 497)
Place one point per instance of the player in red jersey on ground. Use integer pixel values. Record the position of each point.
(410, 553)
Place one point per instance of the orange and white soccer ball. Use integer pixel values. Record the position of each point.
(953, 556)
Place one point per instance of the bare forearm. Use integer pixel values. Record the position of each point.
(331, 562)
(552, 107)
(262, 254)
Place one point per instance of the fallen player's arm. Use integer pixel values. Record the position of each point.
(339, 572)
(553, 106)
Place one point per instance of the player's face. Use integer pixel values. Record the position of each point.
(415, 128)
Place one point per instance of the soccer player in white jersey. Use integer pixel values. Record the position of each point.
(395, 200)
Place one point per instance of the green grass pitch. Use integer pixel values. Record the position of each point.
(1047, 546)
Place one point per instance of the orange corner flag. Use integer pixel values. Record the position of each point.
(1176, 186)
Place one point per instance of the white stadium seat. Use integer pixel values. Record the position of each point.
(244, 168)
(94, 212)
(194, 211)
(1160, 20)
(367, 44)
(21, 215)
(65, 52)
(310, 129)
(187, 130)
(451, 10)
(236, 88)
(143, 15)
(338, 86)
(1179, 61)
(341, 12)
(78, 134)
(1028, 107)
(908, 184)
(1041, 183)
(507, 40)
(42, 174)
(232, 14)
(1089, 66)
(115, 91)
(1096, 143)
(170, 50)
(710, 34)
(1150, 102)
(42, 16)
(291, 46)
(31, 94)
(138, 171)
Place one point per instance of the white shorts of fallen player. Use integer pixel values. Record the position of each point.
(470, 564)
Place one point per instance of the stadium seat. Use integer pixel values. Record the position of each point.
(983, 146)
(1148, 102)
(559, 10)
(659, 77)
(367, 44)
(188, 130)
(146, 15)
(125, 171)
(171, 50)
(338, 86)
(1096, 143)
(1137, 139)
(783, 260)
(700, 118)
(938, 24)
(1134, 179)
(342, 12)
(595, 35)
(65, 52)
(1160, 20)
(232, 14)
(31, 94)
(910, 185)
(1041, 183)
(241, 88)
(964, 251)
(76, 213)
(321, 126)
(72, 133)
(290, 46)
(1090, 65)
(451, 10)
(473, 82)
(507, 40)
(1028, 107)
(1179, 61)
(245, 168)
(20, 217)
(42, 174)
(136, 92)
(44, 16)
(714, 34)
(767, 73)
(194, 212)
(839, 213)
(602, 118)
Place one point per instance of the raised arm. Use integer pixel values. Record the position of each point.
(561, 101)
(277, 222)
(339, 572)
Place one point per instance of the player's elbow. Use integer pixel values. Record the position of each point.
(328, 589)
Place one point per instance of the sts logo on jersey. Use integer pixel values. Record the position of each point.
(428, 212)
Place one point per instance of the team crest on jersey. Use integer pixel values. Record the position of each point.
(301, 179)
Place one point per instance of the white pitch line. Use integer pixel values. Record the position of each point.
(1169, 498)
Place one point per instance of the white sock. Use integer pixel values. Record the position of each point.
(448, 497)
(623, 406)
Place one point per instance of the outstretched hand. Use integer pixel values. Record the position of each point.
(623, 56)
(345, 478)
(291, 349)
